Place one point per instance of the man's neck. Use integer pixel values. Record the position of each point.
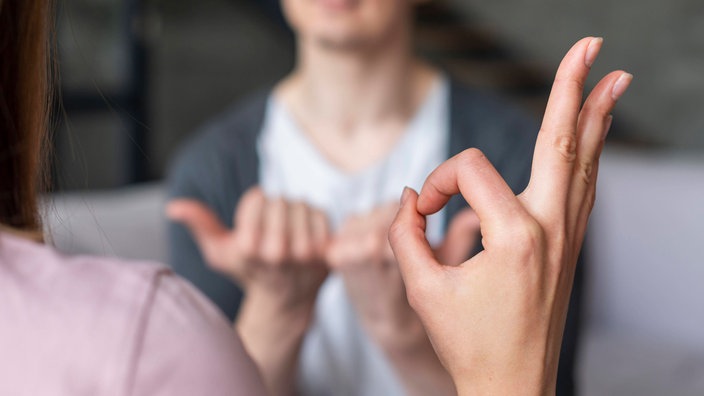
(355, 105)
(352, 90)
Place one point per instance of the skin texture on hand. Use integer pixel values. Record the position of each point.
(496, 320)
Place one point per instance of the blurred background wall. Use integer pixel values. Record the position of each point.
(180, 61)
(660, 42)
(140, 75)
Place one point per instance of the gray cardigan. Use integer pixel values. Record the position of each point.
(220, 163)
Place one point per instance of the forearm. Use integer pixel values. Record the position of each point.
(531, 383)
(532, 372)
(409, 350)
(273, 338)
(415, 362)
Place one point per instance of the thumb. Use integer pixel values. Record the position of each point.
(461, 238)
(209, 233)
(407, 238)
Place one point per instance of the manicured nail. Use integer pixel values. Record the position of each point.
(607, 126)
(621, 85)
(405, 194)
(593, 51)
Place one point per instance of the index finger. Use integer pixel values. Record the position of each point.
(471, 174)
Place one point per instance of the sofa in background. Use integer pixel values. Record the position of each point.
(644, 315)
(643, 329)
(128, 222)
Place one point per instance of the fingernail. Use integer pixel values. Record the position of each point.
(593, 51)
(404, 195)
(621, 85)
(607, 126)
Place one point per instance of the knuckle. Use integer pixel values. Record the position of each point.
(395, 232)
(566, 145)
(571, 83)
(559, 239)
(319, 219)
(591, 200)
(248, 249)
(470, 156)
(585, 171)
(253, 196)
(277, 208)
(302, 253)
(591, 109)
(247, 241)
(531, 238)
(298, 209)
(273, 254)
(399, 232)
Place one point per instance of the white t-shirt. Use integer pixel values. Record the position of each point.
(337, 356)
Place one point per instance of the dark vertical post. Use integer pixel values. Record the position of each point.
(137, 104)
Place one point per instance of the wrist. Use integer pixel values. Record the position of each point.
(416, 363)
(530, 381)
(280, 301)
(272, 334)
(266, 316)
(402, 337)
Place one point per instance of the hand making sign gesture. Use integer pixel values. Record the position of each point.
(496, 321)
(276, 253)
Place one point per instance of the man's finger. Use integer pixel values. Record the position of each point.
(275, 241)
(320, 231)
(461, 238)
(249, 217)
(210, 235)
(300, 233)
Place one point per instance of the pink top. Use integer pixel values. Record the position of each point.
(98, 326)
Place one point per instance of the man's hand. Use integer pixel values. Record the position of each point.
(276, 252)
(276, 246)
(496, 321)
(361, 253)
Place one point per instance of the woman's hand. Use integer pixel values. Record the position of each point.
(496, 321)
(276, 252)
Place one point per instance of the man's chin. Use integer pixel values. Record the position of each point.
(343, 44)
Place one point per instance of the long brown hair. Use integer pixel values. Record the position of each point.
(24, 108)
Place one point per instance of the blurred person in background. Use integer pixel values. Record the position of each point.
(308, 174)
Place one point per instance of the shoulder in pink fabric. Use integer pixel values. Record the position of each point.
(98, 326)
